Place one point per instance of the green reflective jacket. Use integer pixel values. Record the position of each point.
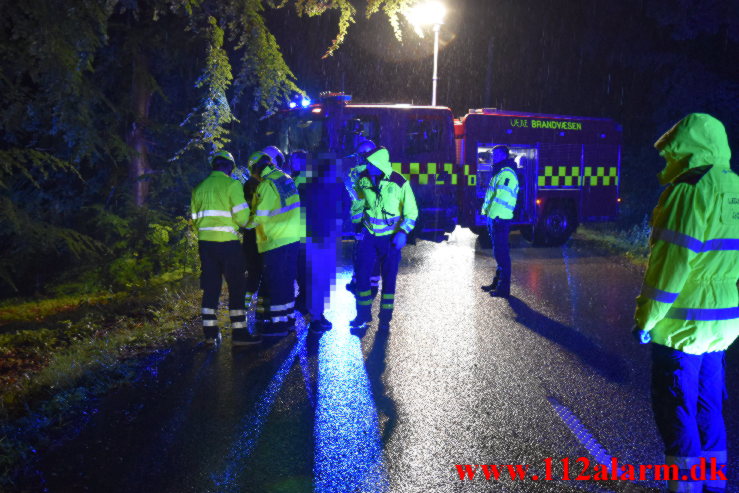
(276, 211)
(387, 207)
(500, 198)
(218, 208)
(689, 300)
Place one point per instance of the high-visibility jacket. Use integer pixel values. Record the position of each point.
(218, 208)
(276, 211)
(689, 300)
(389, 205)
(500, 198)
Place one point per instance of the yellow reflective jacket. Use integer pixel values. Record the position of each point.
(500, 198)
(689, 300)
(387, 206)
(276, 211)
(218, 208)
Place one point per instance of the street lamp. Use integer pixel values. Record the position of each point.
(430, 13)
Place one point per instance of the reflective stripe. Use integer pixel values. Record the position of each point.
(279, 308)
(703, 314)
(279, 319)
(388, 296)
(208, 311)
(210, 323)
(236, 313)
(291, 315)
(721, 244)
(357, 216)
(684, 465)
(719, 457)
(658, 295)
(364, 302)
(503, 203)
(387, 221)
(383, 230)
(387, 306)
(281, 210)
(238, 325)
(224, 229)
(210, 213)
(260, 309)
(240, 207)
(364, 293)
(508, 189)
(694, 244)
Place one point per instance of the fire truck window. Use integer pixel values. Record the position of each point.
(423, 136)
(301, 132)
(358, 129)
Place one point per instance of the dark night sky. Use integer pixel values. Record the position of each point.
(587, 58)
(644, 63)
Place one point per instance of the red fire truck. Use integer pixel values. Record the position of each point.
(568, 166)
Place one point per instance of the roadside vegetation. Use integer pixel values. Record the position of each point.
(631, 243)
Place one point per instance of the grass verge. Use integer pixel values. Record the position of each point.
(50, 370)
(631, 244)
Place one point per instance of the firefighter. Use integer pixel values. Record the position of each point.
(218, 209)
(364, 147)
(386, 207)
(275, 213)
(500, 202)
(689, 305)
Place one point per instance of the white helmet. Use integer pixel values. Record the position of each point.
(278, 159)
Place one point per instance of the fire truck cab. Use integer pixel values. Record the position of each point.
(568, 166)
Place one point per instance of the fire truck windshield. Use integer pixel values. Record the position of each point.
(295, 130)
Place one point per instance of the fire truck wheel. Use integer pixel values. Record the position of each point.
(555, 226)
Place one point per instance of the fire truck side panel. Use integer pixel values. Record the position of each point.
(566, 164)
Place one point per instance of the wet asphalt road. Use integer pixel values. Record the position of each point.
(460, 378)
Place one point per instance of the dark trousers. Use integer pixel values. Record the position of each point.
(499, 231)
(219, 260)
(688, 391)
(279, 269)
(253, 262)
(378, 249)
(374, 277)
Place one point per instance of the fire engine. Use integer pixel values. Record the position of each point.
(568, 166)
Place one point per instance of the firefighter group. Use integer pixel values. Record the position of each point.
(688, 306)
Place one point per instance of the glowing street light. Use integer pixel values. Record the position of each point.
(430, 13)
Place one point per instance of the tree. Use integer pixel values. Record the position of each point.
(110, 103)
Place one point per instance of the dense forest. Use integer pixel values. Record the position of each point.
(110, 107)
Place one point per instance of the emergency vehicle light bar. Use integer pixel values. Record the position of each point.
(338, 97)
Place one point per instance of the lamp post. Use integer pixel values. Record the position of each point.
(430, 13)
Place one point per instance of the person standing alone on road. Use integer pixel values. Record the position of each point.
(689, 304)
(218, 209)
(500, 202)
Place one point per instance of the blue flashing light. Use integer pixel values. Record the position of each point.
(509, 131)
(293, 104)
(305, 102)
